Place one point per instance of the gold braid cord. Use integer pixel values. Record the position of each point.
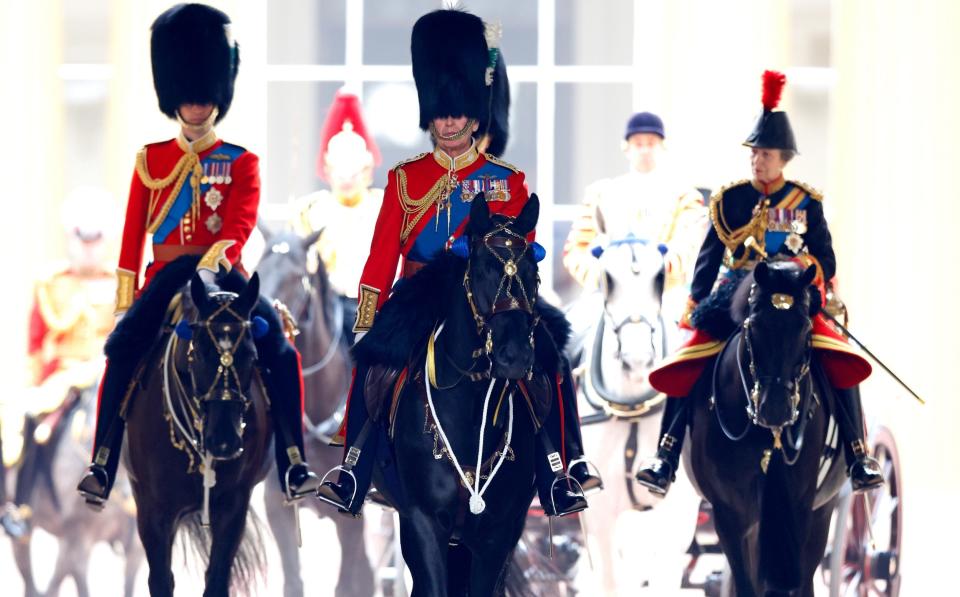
(188, 163)
(415, 209)
(734, 239)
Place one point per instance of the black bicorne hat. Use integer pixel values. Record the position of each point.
(195, 60)
(452, 65)
(773, 130)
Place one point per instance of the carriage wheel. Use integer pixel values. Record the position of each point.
(857, 568)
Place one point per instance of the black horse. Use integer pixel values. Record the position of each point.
(320, 318)
(197, 419)
(763, 448)
(490, 342)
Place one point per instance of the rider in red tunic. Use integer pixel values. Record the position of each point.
(196, 195)
(463, 91)
(754, 219)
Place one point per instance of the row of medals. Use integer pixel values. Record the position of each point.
(215, 173)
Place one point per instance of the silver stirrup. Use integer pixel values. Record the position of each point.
(339, 468)
(553, 502)
(288, 498)
(589, 466)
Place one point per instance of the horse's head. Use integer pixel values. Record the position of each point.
(221, 359)
(777, 333)
(283, 269)
(501, 283)
(632, 282)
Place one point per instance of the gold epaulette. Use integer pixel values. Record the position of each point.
(409, 160)
(814, 193)
(495, 160)
(718, 196)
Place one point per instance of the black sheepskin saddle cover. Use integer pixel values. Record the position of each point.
(137, 333)
(418, 304)
(712, 314)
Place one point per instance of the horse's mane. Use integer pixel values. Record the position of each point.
(725, 310)
(713, 314)
(420, 302)
(135, 335)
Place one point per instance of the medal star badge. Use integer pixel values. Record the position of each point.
(798, 227)
(794, 242)
(213, 199)
(214, 223)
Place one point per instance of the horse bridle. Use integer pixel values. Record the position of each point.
(226, 369)
(792, 385)
(516, 246)
(634, 319)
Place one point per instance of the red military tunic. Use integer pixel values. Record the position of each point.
(194, 199)
(410, 226)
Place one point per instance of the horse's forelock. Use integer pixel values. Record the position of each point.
(783, 277)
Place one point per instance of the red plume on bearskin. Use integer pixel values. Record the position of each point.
(773, 82)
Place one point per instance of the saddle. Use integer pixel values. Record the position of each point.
(384, 384)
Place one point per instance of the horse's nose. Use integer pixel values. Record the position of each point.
(513, 360)
(776, 408)
(226, 448)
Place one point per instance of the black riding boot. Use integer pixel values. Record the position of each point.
(349, 491)
(658, 473)
(578, 466)
(280, 370)
(865, 472)
(560, 493)
(96, 484)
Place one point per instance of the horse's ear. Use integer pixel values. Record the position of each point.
(761, 273)
(528, 217)
(312, 238)
(816, 300)
(264, 229)
(198, 292)
(479, 216)
(245, 302)
(807, 277)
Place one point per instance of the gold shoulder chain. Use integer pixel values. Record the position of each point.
(814, 193)
(495, 160)
(189, 162)
(408, 160)
(414, 209)
(733, 239)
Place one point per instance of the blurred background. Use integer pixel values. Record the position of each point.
(873, 94)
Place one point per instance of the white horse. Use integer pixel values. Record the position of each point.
(635, 543)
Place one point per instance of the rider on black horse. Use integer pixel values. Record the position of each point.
(463, 90)
(754, 219)
(196, 195)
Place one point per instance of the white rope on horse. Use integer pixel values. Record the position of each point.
(477, 505)
(185, 430)
(209, 476)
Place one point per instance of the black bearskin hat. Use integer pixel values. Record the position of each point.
(773, 129)
(452, 65)
(194, 59)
